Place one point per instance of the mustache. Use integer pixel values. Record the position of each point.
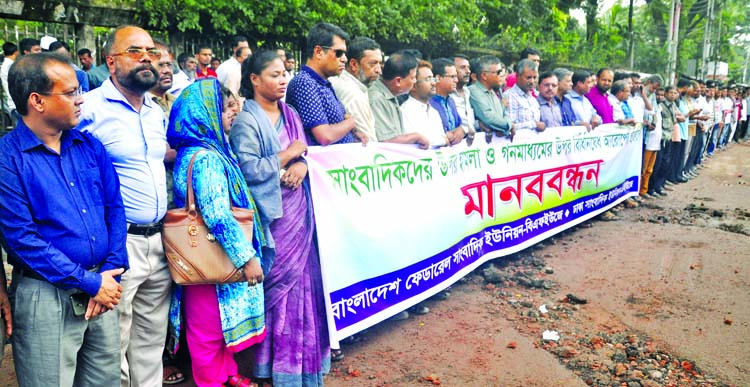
(148, 67)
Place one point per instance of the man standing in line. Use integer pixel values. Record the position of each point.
(564, 86)
(399, 77)
(446, 81)
(549, 107)
(489, 109)
(529, 53)
(364, 66)
(62, 218)
(133, 129)
(599, 97)
(524, 108)
(419, 116)
(585, 114)
(310, 92)
(462, 96)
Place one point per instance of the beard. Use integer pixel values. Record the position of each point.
(137, 81)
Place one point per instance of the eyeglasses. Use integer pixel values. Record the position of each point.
(70, 94)
(136, 53)
(430, 79)
(498, 72)
(339, 52)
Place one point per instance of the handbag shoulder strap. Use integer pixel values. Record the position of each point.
(190, 202)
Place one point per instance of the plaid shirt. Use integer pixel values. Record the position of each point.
(524, 109)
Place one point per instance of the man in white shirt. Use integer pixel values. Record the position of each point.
(233, 64)
(419, 116)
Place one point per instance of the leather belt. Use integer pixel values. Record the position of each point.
(145, 229)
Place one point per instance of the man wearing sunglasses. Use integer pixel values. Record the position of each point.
(488, 107)
(133, 129)
(63, 222)
(311, 93)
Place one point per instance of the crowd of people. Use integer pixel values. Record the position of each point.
(100, 153)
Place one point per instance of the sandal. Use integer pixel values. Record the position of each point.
(240, 381)
(172, 375)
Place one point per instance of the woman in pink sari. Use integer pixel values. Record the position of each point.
(269, 141)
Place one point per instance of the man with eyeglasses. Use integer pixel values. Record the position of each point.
(491, 114)
(133, 129)
(446, 81)
(549, 106)
(311, 93)
(364, 67)
(63, 222)
(419, 116)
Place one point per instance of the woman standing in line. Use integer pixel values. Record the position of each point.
(220, 320)
(269, 140)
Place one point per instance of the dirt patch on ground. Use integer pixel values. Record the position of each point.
(656, 298)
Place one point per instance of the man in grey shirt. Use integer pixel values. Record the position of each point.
(399, 77)
(490, 111)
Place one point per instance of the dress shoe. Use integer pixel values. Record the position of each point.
(682, 180)
(662, 193)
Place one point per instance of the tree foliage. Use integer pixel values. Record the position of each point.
(441, 27)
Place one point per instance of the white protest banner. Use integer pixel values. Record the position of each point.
(397, 224)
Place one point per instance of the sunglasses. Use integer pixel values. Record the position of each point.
(498, 72)
(136, 53)
(339, 52)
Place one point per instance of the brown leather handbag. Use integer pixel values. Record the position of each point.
(193, 253)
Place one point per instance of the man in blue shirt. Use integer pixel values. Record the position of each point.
(133, 130)
(323, 115)
(63, 224)
(446, 82)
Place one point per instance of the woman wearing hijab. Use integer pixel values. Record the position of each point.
(269, 140)
(220, 320)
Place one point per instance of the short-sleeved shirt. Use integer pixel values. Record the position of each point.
(316, 103)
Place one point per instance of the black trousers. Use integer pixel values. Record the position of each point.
(662, 165)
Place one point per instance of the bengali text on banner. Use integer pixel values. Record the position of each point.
(397, 224)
